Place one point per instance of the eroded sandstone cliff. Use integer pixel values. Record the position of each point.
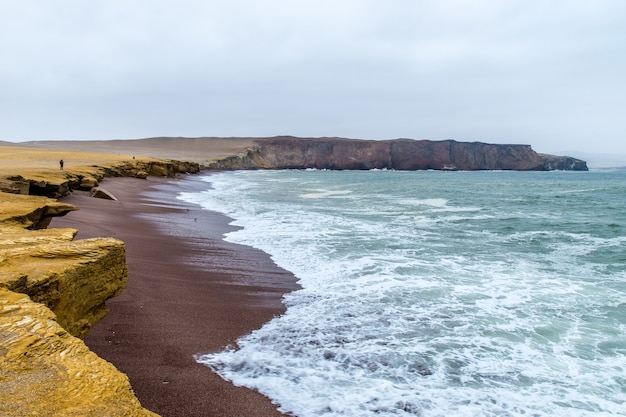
(52, 290)
(59, 183)
(45, 371)
(72, 278)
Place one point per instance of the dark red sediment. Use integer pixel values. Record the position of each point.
(188, 292)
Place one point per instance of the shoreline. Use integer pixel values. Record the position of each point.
(189, 292)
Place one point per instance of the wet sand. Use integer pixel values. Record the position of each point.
(188, 292)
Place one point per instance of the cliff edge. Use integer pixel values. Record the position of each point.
(53, 290)
(286, 152)
(45, 371)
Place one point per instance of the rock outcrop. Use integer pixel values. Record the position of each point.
(45, 371)
(29, 212)
(562, 163)
(59, 183)
(99, 192)
(158, 168)
(72, 278)
(401, 154)
(52, 291)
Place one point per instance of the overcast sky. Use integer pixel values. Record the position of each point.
(549, 73)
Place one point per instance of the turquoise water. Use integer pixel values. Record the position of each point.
(435, 293)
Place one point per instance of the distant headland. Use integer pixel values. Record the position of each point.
(289, 152)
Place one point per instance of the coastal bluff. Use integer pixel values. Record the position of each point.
(53, 288)
(399, 154)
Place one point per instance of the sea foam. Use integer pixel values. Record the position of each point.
(430, 294)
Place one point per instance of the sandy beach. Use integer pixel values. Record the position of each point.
(188, 292)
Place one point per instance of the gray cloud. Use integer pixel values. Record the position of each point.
(547, 73)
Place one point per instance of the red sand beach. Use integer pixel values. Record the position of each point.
(188, 292)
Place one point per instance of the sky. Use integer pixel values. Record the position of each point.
(549, 73)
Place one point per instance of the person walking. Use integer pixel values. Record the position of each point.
(61, 165)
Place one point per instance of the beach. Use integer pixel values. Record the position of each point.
(435, 294)
(420, 292)
(188, 293)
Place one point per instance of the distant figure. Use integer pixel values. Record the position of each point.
(61, 164)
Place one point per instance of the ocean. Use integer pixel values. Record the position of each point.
(431, 293)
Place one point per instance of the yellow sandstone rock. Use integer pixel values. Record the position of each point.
(72, 278)
(29, 212)
(36, 171)
(44, 371)
(53, 289)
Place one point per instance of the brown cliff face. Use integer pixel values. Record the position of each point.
(401, 154)
(324, 153)
(480, 156)
(562, 163)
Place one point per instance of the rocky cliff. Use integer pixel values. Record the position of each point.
(45, 371)
(562, 163)
(59, 183)
(401, 154)
(53, 289)
(72, 278)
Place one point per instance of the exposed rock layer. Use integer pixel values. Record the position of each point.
(44, 371)
(59, 183)
(52, 290)
(400, 154)
(562, 163)
(72, 278)
(29, 212)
